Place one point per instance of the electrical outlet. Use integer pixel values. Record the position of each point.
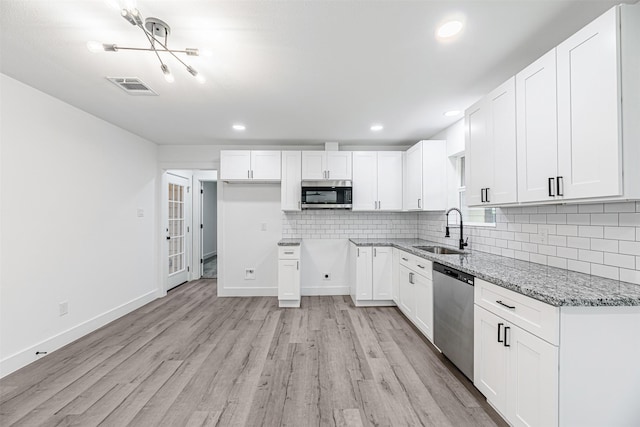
(140, 213)
(63, 308)
(543, 234)
(326, 276)
(249, 274)
(263, 226)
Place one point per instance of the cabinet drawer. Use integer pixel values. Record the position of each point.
(532, 315)
(289, 252)
(416, 264)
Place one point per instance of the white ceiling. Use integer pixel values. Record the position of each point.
(292, 71)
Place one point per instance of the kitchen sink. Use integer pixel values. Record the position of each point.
(440, 250)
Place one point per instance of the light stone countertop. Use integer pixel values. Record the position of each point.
(551, 285)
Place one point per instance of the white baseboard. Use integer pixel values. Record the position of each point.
(24, 357)
(247, 292)
(324, 290)
(209, 255)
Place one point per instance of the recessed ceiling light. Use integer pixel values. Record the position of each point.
(452, 113)
(449, 29)
(239, 127)
(377, 128)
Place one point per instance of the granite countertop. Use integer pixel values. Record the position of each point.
(289, 242)
(547, 284)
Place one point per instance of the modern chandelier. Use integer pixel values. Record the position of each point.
(155, 30)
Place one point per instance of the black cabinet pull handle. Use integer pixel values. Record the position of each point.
(506, 344)
(500, 325)
(551, 187)
(560, 186)
(486, 195)
(505, 305)
(482, 195)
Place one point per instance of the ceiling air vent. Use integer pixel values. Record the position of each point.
(133, 86)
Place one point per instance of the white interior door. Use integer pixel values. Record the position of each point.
(176, 230)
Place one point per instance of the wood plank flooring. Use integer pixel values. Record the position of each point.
(192, 359)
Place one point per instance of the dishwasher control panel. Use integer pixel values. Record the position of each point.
(453, 273)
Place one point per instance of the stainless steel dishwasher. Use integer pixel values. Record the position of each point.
(453, 316)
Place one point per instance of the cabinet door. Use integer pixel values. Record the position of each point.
(339, 165)
(537, 129)
(424, 305)
(365, 181)
(589, 143)
(406, 291)
(395, 279)
(313, 165)
(265, 165)
(382, 272)
(413, 178)
(235, 164)
(434, 175)
(490, 358)
(290, 189)
(478, 151)
(363, 269)
(502, 186)
(389, 180)
(532, 388)
(288, 279)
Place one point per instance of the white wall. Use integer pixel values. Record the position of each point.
(249, 228)
(71, 188)
(210, 218)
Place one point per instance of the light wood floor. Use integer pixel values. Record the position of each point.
(197, 360)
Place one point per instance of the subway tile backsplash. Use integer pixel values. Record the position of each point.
(602, 239)
(337, 224)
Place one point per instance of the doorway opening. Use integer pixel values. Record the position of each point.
(209, 229)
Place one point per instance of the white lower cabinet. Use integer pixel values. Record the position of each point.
(516, 370)
(423, 315)
(289, 276)
(415, 291)
(371, 275)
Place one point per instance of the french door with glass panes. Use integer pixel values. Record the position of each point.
(176, 230)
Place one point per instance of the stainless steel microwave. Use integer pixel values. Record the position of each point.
(326, 194)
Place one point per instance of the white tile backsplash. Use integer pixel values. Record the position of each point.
(599, 239)
(602, 239)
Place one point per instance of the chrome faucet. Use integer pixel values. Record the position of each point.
(446, 234)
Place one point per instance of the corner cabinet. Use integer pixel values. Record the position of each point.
(371, 275)
(377, 180)
(326, 165)
(490, 139)
(290, 193)
(289, 276)
(425, 187)
(250, 165)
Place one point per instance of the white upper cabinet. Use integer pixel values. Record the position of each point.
(425, 176)
(491, 148)
(390, 180)
(537, 129)
(247, 165)
(290, 187)
(589, 140)
(413, 180)
(326, 165)
(577, 113)
(377, 180)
